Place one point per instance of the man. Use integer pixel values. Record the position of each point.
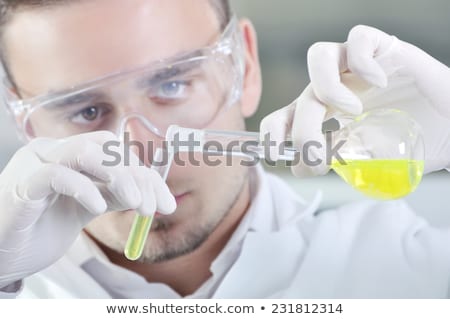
(80, 70)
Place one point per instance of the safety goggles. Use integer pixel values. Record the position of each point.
(188, 90)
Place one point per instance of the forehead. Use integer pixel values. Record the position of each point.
(57, 47)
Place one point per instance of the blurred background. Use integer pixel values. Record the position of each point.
(286, 29)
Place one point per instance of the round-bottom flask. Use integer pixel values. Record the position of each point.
(382, 155)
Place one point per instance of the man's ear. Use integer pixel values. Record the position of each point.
(251, 93)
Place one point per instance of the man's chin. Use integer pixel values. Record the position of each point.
(169, 241)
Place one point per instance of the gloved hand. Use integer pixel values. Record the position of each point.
(51, 189)
(371, 70)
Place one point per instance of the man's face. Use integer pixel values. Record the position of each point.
(58, 47)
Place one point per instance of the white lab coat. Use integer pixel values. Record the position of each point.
(287, 249)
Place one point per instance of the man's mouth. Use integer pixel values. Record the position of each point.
(178, 198)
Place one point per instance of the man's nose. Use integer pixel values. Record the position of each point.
(141, 137)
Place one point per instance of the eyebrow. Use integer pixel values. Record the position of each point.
(168, 72)
(78, 98)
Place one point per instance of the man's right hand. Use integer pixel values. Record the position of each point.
(52, 188)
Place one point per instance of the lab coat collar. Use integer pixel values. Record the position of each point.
(267, 218)
(278, 211)
(258, 192)
(271, 250)
(85, 249)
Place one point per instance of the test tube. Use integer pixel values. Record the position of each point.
(142, 224)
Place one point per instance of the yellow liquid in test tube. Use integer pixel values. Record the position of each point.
(138, 237)
(381, 178)
(142, 224)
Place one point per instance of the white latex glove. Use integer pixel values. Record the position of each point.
(51, 189)
(371, 70)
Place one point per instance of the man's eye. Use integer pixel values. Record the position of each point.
(172, 90)
(88, 115)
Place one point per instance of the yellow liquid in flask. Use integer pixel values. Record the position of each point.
(381, 178)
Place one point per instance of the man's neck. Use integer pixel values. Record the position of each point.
(185, 274)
